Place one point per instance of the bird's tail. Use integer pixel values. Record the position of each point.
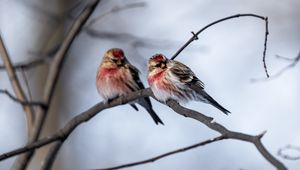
(211, 101)
(146, 103)
(154, 116)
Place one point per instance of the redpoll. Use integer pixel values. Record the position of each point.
(116, 77)
(171, 79)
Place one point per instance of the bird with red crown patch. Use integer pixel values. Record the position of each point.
(171, 79)
(116, 77)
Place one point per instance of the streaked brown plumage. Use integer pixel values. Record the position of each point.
(171, 79)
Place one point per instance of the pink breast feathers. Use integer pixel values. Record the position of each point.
(104, 75)
(111, 82)
(107, 71)
(156, 77)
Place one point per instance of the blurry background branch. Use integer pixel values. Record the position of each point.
(28, 65)
(293, 63)
(63, 133)
(32, 103)
(41, 11)
(45, 58)
(283, 152)
(113, 10)
(130, 39)
(52, 78)
(20, 95)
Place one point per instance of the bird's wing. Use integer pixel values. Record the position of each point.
(136, 78)
(135, 75)
(145, 102)
(185, 74)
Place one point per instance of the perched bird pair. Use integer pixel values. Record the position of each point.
(168, 79)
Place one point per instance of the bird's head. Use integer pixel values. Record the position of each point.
(114, 57)
(157, 63)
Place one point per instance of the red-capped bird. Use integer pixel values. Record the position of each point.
(116, 77)
(171, 79)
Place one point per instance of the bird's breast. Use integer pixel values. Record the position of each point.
(156, 77)
(113, 82)
(103, 72)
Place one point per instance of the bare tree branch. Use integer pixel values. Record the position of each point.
(16, 85)
(208, 121)
(285, 155)
(55, 69)
(31, 103)
(195, 35)
(63, 133)
(150, 160)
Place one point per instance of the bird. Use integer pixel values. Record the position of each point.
(170, 79)
(116, 77)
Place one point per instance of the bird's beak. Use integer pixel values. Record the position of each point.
(162, 65)
(119, 62)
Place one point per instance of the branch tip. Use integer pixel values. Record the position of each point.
(262, 134)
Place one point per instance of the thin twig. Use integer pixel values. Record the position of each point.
(265, 46)
(28, 65)
(63, 133)
(30, 103)
(153, 159)
(195, 35)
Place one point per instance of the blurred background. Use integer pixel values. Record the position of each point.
(226, 58)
